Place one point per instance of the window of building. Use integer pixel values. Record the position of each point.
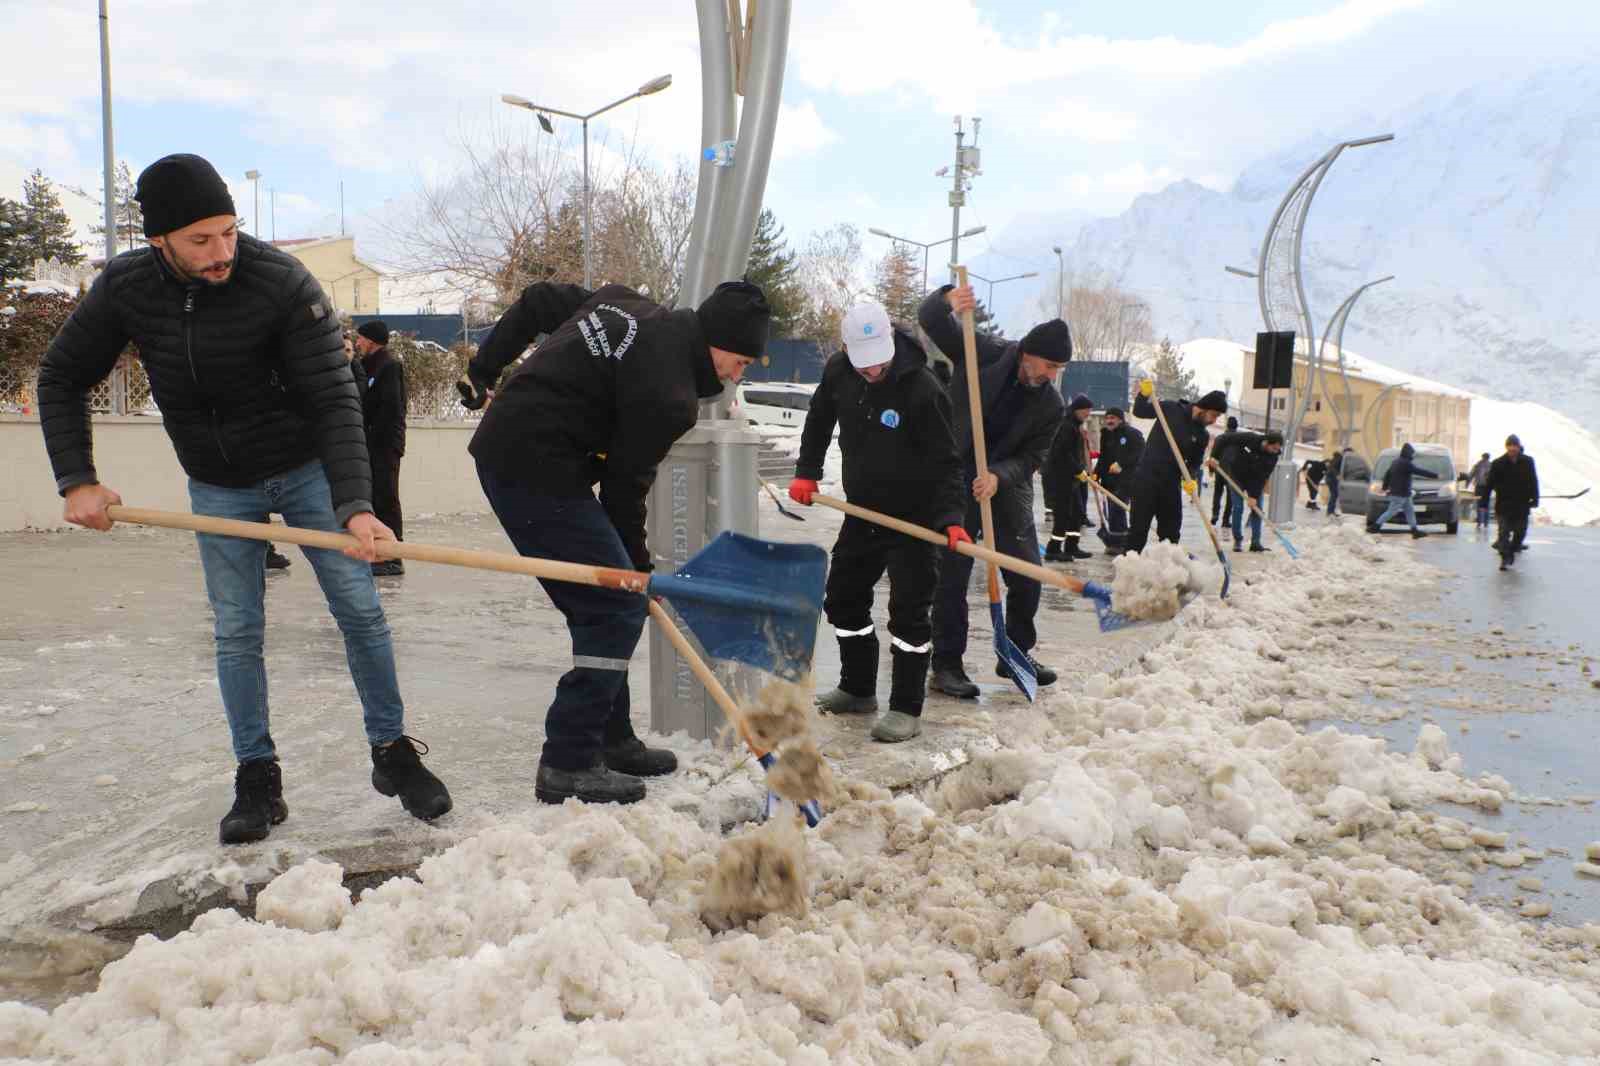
(355, 295)
(1280, 403)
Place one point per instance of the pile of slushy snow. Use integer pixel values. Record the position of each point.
(1158, 868)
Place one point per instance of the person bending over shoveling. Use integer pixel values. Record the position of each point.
(900, 458)
(1159, 482)
(1021, 413)
(1249, 459)
(600, 401)
(244, 360)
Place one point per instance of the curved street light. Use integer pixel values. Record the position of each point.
(542, 113)
(973, 232)
(1336, 331)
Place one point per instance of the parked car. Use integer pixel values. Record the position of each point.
(1433, 486)
(774, 403)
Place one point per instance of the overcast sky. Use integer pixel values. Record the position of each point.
(1086, 104)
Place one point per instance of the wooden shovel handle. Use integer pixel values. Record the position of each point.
(986, 555)
(504, 562)
(1183, 472)
(1107, 493)
(698, 667)
(1223, 474)
(980, 453)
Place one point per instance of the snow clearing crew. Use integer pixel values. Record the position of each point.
(1158, 482)
(1022, 411)
(900, 458)
(244, 359)
(1248, 458)
(616, 381)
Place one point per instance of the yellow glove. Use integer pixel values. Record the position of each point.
(1082, 476)
(1190, 486)
(1147, 387)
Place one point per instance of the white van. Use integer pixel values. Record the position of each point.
(774, 403)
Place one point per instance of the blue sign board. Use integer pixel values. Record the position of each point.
(1106, 384)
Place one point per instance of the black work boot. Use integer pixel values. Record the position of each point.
(1072, 548)
(1053, 552)
(632, 757)
(257, 802)
(950, 677)
(1045, 675)
(596, 784)
(389, 568)
(276, 560)
(858, 678)
(397, 770)
(1259, 547)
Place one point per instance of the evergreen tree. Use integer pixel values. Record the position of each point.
(985, 322)
(14, 260)
(1173, 380)
(777, 270)
(129, 215)
(897, 282)
(46, 229)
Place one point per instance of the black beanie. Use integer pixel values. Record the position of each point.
(376, 331)
(1215, 400)
(179, 190)
(1080, 402)
(1116, 411)
(736, 318)
(1050, 340)
(1233, 423)
(1271, 436)
(1513, 439)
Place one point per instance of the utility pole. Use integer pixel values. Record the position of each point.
(966, 166)
(105, 123)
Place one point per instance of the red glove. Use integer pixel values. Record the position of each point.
(957, 535)
(801, 490)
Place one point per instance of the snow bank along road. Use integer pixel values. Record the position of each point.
(1161, 867)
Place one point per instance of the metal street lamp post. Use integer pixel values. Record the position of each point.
(543, 113)
(1061, 281)
(973, 232)
(992, 282)
(254, 177)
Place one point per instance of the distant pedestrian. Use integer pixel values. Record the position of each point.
(1478, 480)
(1397, 487)
(1514, 481)
(384, 410)
(1335, 474)
(1314, 471)
(1120, 447)
(1220, 496)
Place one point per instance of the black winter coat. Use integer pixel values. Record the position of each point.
(1069, 456)
(1157, 467)
(899, 450)
(383, 404)
(1122, 446)
(250, 375)
(1245, 457)
(602, 398)
(1397, 480)
(1020, 448)
(1515, 484)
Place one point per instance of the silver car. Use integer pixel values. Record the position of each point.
(1433, 486)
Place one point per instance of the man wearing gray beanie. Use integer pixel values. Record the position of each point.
(244, 359)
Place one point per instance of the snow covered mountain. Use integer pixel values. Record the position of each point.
(1483, 206)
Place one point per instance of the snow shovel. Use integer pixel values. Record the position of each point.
(730, 709)
(1016, 663)
(1288, 545)
(777, 501)
(1568, 496)
(746, 600)
(1092, 591)
(1194, 498)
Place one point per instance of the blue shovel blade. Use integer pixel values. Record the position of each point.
(1100, 596)
(751, 601)
(1288, 546)
(1017, 664)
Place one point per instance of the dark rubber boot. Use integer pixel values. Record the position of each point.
(950, 678)
(597, 784)
(858, 677)
(397, 770)
(632, 757)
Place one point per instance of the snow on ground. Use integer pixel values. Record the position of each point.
(1568, 455)
(1159, 868)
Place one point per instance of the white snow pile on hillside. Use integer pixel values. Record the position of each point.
(1568, 455)
(1159, 868)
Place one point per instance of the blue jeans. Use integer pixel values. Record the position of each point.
(1333, 495)
(591, 707)
(235, 571)
(1239, 508)
(1399, 504)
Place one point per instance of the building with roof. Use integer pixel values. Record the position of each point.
(1382, 408)
(346, 279)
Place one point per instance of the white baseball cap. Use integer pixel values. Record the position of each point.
(868, 336)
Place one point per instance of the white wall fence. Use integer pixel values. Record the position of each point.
(133, 455)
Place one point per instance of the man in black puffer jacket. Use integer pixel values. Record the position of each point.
(900, 459)
(1160, 482)
(244, 360)
(1249, 458)
(615, 382)
(1021, 410)
(383, 405)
